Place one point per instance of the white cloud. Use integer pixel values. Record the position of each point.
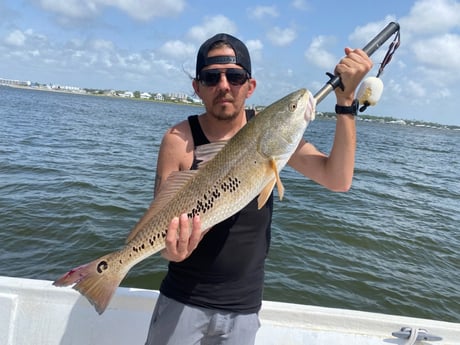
(27, 39)
(147, 9)
(442, 51)
(415, 89)
(255, 48)
(71, 8)
(442, 93)
(212, 26)
(261, 12)
(363, 34)
(300, 5)
(15, 38)
(317, 53)
(281, 37)
(394, 86)
(178, 49)
(138, 9)
(102, 45)
(432, 17)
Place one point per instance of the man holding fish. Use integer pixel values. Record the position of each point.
(212, 292)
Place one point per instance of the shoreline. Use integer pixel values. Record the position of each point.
(82, 92)
(322, 115)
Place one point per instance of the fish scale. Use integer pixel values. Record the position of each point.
(233, 174)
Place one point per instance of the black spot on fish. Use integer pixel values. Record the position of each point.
(102, 266)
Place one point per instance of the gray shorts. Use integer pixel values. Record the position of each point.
(174, 323)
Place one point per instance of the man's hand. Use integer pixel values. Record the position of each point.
(181, 240)
(351, 69)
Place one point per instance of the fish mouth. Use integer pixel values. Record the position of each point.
(310, 110)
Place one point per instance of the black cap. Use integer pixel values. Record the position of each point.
(241, 57)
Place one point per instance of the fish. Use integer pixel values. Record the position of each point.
(232, 173)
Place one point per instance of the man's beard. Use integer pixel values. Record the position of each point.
(223, 114)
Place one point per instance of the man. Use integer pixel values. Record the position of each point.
(212, 292)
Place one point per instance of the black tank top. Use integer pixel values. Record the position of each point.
(226, 270)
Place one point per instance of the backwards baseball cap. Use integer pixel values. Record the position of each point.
(241, 57)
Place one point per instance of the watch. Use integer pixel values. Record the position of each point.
(351, 110)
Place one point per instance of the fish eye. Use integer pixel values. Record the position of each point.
(292, 106)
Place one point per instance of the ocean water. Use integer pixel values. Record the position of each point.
(77, 172)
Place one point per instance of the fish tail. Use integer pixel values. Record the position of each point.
(95, 280)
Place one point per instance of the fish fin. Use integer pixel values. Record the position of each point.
(167, 191)
(94, 282)
(279, 184)
(265, 194)
(204, 153)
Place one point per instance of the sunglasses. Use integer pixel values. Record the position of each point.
(235, 76)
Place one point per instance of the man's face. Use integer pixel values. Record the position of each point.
(225, 100)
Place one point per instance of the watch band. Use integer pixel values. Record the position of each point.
(351, 110)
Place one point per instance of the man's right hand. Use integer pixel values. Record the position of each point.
(181, 241)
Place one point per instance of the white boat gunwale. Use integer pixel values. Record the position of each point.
(35, 309)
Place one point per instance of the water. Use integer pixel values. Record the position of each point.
(76, 173)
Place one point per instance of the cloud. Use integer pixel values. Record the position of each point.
(261, 12)
(415, 89)
(138, 9)
(442, 51)
(178, 50)
(255, 48)
(430, 46)
(432, 17)
(87, 57)
(147, 9)
(212, 25)
(70, 8)
(25, 39)
(317, 54)
(281, 37)
(363, 34)
(300, 5)
(15, 38)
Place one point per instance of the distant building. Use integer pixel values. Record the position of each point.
(14, 82)
(197, 101)
(159, 97)
(145, 95)
(127, 94)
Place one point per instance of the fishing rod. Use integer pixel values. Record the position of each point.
(369, 49)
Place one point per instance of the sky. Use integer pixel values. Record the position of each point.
(151, 46)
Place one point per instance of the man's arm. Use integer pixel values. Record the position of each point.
(335, 171)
